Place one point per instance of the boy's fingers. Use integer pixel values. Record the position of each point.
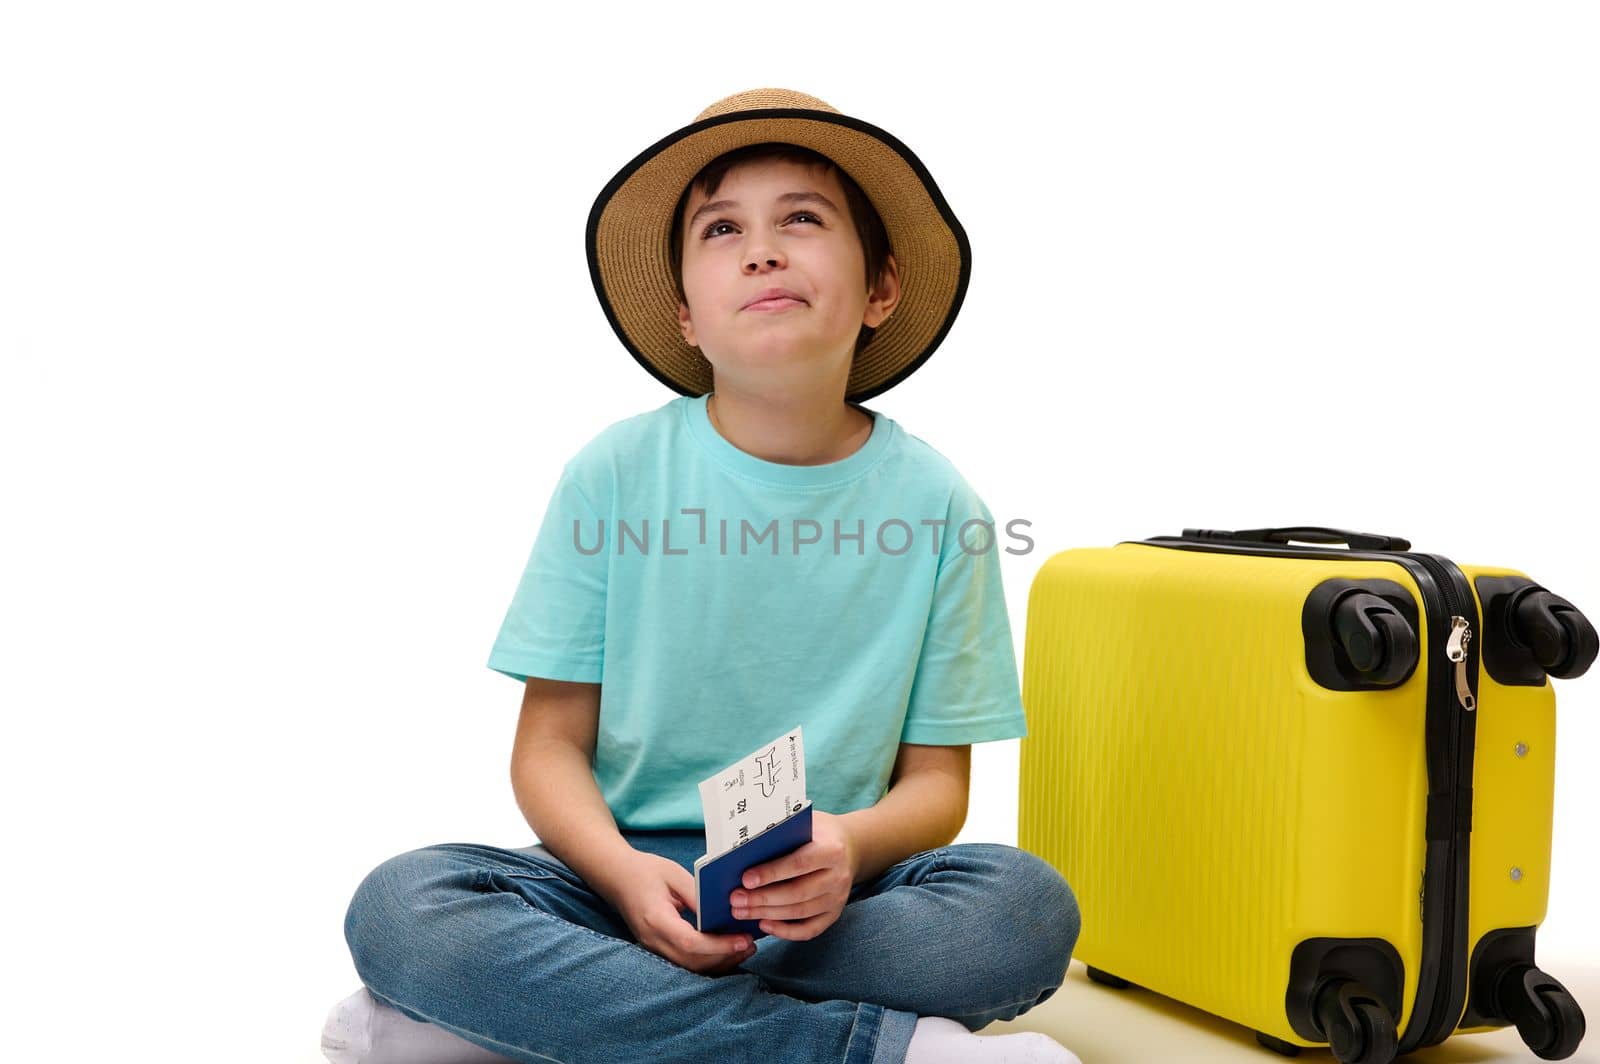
(703, 944)
(777, 928)
(797, 863)
(789, 892)
(797, 930)
(733, 962)
(681, 883)
(796, 911)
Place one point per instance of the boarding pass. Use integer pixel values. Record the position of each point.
(754, 793)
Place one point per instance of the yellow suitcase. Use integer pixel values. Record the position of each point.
(1275, 769)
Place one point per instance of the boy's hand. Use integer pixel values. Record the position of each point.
(649, 892)
(801, 894)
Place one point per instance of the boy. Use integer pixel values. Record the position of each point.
(760, 552)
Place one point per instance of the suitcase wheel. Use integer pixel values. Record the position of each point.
(1358, 1028)
(1105, 978)
(1547, 1017)
(1378, 641)
(1561, 638)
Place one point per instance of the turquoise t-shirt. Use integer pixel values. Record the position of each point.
(720, 599)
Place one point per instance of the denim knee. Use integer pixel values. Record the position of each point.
(1026, 917)
(381, 923)
(1035, 910)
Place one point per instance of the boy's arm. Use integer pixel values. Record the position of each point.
(924, 808)
(554, 783)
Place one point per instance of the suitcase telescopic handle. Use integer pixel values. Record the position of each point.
(1304, 533)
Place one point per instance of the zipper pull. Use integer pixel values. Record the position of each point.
(1456, 649)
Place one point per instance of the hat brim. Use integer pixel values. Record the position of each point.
(628, 242)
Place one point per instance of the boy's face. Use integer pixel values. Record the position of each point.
(777, 224)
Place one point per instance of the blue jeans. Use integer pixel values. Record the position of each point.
(512, 950)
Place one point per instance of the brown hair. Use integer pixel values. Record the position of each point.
(869, 226)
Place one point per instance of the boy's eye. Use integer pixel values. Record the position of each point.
(721, 221)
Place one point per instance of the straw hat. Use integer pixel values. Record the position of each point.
(627, 238)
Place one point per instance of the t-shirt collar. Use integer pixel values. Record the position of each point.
(746, 464)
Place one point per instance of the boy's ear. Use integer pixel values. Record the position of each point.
(883, 299)
(685, 324)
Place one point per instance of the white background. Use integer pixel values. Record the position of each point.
(297, 331)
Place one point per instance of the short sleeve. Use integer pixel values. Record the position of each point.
(966, 688)
(555, 625)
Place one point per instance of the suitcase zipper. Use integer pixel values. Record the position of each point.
(1460, 629)
(1435, 1026)
(1456, 650)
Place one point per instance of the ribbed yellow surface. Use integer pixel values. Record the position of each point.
(1209, 803)
(1512, 799)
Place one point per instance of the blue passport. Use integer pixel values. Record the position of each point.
(720, 876)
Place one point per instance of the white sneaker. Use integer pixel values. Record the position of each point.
(363, 1030)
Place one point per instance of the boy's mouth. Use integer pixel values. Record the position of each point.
(774, 299)
(776, 303)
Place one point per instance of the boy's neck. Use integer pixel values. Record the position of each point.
(802, 430)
